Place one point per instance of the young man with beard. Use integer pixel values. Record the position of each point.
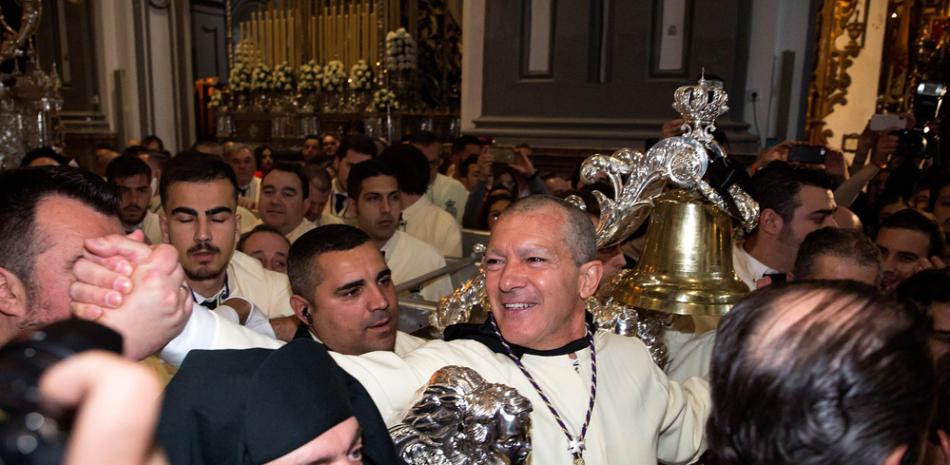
(793, 202)
(374, 197)
(285, 199)
(132, 178)
(199, 196)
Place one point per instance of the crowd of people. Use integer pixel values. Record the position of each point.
(262, 287)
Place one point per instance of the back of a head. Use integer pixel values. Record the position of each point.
(411, 167)
(328, 238)
(926, 287)
(834, 242)
(423, 138)
(776, 186)
(819, 373)
(20, 192)
(458, 145)
(195, 167)
(914, 220)
(153, 139)
(42, 152)
(578, 233)
(125, 166)
(357, 143)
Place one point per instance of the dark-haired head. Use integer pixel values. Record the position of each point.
(930, 290)
(301, 265)
(153, 143)
(819, 372)
(195, 167)
(914, 220)
(411, 167)
(832, 253)
(460, 144)
(125, 166)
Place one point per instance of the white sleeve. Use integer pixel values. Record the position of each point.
(205, 330)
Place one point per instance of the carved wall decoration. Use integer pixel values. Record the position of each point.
(842, 25)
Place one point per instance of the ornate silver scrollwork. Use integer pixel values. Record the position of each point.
(460, 419)
(459, 306)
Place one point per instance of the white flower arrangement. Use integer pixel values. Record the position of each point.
(309, 77)
(384, 98)
(400, 50)
(239, 79)
(284, 78)
(218, 100)
(334, 76)
(262, 78)
(361, 77)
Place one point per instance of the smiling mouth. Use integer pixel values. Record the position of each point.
(383, 324)
(518, 306)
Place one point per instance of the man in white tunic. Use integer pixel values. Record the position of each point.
(608, 402)
(354, 149)
(420, 217)
(374, 197)
(241, 158)
(444, 192)
(285, 199)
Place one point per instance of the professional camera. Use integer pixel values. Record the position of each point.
(923, 140)
(28, 434)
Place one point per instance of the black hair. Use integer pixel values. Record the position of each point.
(357, 143)
(485, 213)
(135, 150)
(314, 137)
(21, 191)
(149, 139)
(468, 161)
(195, 167)
(926, 287)
(261, 228)
(914, 220)
(42, 152)
(940, 180)
(259, 154)
(776, 186)
(843, 243)
(424, 138)
(459, 143)
(104, 146)
(296, 170)
(125, 166)
(819, 372)
(363, 170)
(411, 167)
(301, 266)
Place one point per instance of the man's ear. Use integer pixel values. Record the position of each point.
(589, 278)
(771, 222)
(12, 294)
(301, 306)
(896, 455)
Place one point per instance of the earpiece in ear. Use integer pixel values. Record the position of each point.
(306, 314)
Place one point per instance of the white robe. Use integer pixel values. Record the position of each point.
(433, 225)
(748, 269)
(268, 290)
(408, 258)
(448, 194)
(639, 416)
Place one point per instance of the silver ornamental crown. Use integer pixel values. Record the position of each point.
(699, 106)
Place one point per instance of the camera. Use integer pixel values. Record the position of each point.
(28, 434)
(922, 141)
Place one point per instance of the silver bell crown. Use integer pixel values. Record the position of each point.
(699, 106)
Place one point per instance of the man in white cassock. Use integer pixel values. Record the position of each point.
(598, 397)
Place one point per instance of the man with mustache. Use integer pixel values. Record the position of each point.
(132, 177)
(374, 196)
(199, 197)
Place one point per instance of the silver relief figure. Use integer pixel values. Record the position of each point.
(460, 419)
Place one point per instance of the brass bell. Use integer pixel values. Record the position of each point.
(686, 265)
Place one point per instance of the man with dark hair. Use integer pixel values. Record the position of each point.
(374, 197)
(793, 201)
(536, 340)
(930, 290)
(199, 196)
(153, 143)
(422, 219)
(104, 153)
(355, 148)
(820, 373)
(267, 245)
(311, 147)
(320, 187)
(330, 144)
(242, 160)
(132, 178)
(47, 216)
(831, 253)
(285, 198)
(136, 151)
(344, 293)
(910, 241)
(463, 148)
(469, 172)
(444, 192)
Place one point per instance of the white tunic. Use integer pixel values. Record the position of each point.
(151, 226)
(268, 290)
(748, 269)
(433, 225)
(252, 190)
(639, 416)
(448, 194)
(408, 258)
(330, 214)
(301, 229)
(690, 354)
